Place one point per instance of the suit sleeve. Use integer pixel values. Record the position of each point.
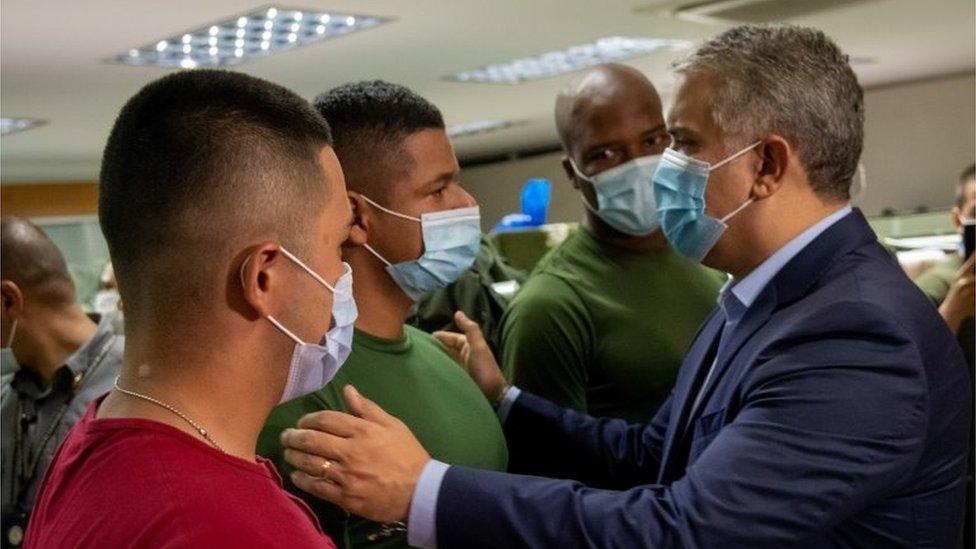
(548, 440)
(830, 420)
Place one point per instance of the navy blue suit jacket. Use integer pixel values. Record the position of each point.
(838, 417)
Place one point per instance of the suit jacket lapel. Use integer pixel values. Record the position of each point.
(790, 284)
(699, 357)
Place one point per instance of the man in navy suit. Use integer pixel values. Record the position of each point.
(823, 404)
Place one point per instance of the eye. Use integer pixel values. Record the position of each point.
(657, 139)
(601, 155)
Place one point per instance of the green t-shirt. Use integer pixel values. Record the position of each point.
(414, 379)
(604, 330)
(935, 283)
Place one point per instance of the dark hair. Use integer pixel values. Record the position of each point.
(369, 121)
(199, 160)
(967, 175)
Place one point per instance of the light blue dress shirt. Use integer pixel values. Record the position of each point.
(735, 299)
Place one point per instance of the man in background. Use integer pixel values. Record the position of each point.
(950, 285)
(59, 361)
(422, 232)
(605, 319)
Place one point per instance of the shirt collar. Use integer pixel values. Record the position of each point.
(66, 376)
(747, 290)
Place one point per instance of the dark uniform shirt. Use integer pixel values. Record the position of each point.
(34, 420)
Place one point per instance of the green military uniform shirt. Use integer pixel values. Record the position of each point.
(935, 282)
(604, 330)
(415, 380)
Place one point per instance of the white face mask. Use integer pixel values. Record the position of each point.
(313, 365)
(106, 301)
(8, 362)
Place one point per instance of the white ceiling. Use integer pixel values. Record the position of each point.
(51, 52)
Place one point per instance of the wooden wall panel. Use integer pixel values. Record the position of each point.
(49, 199)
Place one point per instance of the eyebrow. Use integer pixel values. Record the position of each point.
(445, 177)
(655, 129)
(681, 131)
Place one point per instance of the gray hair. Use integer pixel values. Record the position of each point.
(792, 81)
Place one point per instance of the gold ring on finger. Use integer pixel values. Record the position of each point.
(326, 465)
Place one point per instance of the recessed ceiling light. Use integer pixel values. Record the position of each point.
(481, 126)
(258, 33)
(14, 125)
(573, 58)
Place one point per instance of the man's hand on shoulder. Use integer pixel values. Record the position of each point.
(367, 464)
(471, 351)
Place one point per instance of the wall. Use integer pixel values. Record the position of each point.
(918, 137)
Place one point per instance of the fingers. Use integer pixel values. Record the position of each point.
(471, 331)
(364, 407)
(334, 423)
(314, 442)
(968, 267)
(314, 465)
(451, 340)
(318, 486)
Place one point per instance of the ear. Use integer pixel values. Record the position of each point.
(361, 220)
(957, 219)
(570, 172)
(13, 299)
(263, 272)
(775, 154)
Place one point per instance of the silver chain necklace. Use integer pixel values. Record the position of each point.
(203, 432)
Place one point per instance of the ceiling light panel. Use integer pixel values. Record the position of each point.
(481, 126)
(14, 125)
(260, 33)
(603, 50)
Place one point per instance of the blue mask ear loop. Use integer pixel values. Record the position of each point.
(391, 212)
(726, 161)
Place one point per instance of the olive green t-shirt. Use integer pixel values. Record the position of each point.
(935, 283)
(415, 380)
(604, 330)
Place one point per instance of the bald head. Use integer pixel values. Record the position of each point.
(603, 95)
(29, 259)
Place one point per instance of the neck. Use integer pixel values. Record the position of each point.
(778, 229)
(383, 307)
(66, 331)
(606, 234)
(228, 389)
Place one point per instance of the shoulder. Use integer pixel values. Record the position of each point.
(545, 290)
(863, 309)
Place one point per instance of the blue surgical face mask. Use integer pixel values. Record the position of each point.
(624, 195)
(313, 365)
(679, 190)
(451, 242)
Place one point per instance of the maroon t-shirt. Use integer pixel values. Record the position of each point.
(140, 483)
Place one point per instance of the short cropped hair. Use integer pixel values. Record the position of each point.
(370, 121)
(199, 161)
(30, 259)
(792, 81)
